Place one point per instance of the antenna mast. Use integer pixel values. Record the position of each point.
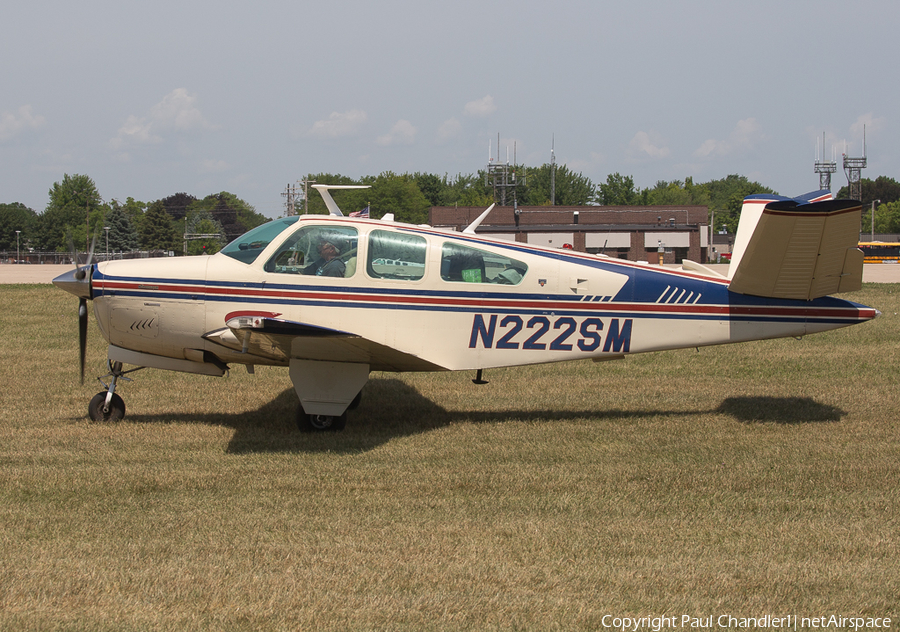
(824, 169)
(853, 169)
(502, 176)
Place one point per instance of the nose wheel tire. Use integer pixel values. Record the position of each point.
(320, 423)
(115, 412)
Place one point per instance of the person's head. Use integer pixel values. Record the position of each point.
(327, 249)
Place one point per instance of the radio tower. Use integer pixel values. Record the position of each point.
(502, 176)
(853, 169)
(824, 169)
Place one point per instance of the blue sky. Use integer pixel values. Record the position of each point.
(202, 97)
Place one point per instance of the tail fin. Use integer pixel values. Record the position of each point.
(751, 213)
(797, 248)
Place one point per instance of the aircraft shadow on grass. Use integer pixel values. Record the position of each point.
(391, 408)
(781, 410)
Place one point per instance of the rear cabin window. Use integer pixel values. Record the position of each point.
(328, 251)
(395, 256)
(471, 265)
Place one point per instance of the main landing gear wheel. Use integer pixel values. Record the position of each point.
(320, 423)
(99, 411)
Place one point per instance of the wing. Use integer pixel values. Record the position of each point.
(278, 339)
(802, 251)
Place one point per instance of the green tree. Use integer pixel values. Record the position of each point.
(387, 193)
(469, 190)
(178, 205)
(75, 210)
(887, 218)
(391, 193)
(433, 187)
(726, 196)
(134, 211)
(678, 193)
(882, 188)
(199, 222)
(13, 217)
(234, 215)
(571, 189)
(158, 231)
(122, 235)
(618, 191)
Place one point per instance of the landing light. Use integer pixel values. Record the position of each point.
(245, 322)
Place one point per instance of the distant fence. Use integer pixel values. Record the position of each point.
(8, 257)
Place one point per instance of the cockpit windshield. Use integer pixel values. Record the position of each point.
(248, 246)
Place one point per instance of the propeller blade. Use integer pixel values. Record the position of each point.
(90, 256)
(78, 283)
(82, 332)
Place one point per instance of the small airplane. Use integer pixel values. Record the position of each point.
(333, 298)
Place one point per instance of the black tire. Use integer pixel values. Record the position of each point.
(116, 408)
(320, 423)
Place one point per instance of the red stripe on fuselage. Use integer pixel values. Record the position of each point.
(495, 303)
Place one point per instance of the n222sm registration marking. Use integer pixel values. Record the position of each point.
(545, 333)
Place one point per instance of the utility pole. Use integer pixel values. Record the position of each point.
(874, 202)
(306, 184)
(297, 199)
(553, 170)
(291, 192)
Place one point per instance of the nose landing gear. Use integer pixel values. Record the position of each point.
(108, 405)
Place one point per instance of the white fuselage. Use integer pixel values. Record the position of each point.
(414, 298)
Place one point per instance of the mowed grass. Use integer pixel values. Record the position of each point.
(748, 480)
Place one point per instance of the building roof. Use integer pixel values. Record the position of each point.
(589, 218)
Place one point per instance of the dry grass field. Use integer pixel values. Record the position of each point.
(746, 480)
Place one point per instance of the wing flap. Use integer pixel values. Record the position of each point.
(802, 251)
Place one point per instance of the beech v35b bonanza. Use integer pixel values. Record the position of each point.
(333, 298)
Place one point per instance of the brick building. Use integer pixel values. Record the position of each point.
(627, 232)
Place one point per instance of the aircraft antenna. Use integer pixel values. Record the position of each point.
(823, 168)
(333, 208)
(470, 229)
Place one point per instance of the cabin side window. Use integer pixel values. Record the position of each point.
(393, 255)
(328, 251)
(471, 265)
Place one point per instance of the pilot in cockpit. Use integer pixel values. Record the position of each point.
(328, 263)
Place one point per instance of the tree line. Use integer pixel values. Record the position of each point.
(409, 196)
(76, 212)
(76, 216)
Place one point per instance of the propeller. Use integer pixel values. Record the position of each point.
(82, 333)
(78, 282)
